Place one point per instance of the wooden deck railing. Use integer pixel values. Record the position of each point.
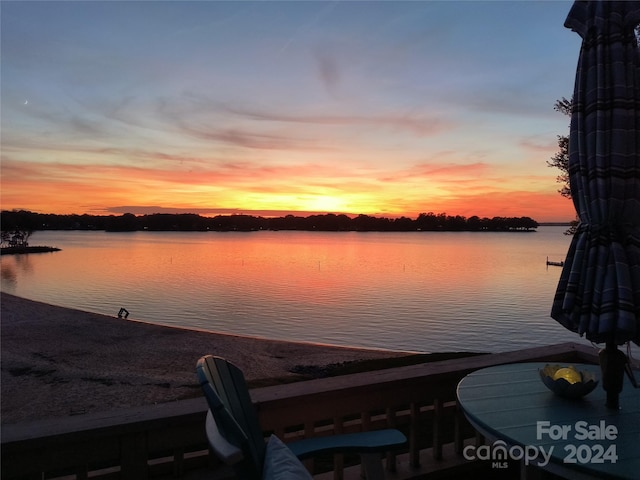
(168, 440)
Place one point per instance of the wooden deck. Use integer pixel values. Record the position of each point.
(168, 441)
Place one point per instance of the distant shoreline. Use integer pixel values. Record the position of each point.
(34, 249)
(329, 222)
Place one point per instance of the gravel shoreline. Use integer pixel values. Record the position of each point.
(58, 362)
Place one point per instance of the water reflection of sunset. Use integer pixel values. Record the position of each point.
(393, 290)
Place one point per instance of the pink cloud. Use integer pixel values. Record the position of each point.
(547, 147)
(449, 172)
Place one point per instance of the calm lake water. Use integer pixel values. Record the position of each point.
(419, 291)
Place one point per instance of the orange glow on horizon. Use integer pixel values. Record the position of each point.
(464, 190)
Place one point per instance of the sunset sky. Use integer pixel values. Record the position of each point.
(269, 108)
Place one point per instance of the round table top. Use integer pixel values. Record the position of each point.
(510, 404)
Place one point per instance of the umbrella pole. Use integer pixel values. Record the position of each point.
(612, 365)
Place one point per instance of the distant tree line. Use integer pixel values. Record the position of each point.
(27, 222)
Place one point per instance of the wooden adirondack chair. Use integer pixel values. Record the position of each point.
(235, 435)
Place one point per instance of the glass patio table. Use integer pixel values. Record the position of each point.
(512, 407)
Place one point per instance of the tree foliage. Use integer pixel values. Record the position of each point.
(17, 228)
(561, 159)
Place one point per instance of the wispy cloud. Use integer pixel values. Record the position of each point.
(329, 71)
(418, 124)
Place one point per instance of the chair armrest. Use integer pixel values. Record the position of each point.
(361, 442)
(227, 452)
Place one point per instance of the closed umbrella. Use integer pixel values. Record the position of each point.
(598, 294)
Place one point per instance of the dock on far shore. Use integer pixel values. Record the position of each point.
(556, 264)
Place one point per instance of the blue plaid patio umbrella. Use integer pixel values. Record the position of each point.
(598, 294)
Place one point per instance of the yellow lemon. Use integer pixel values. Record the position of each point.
(569, 374)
